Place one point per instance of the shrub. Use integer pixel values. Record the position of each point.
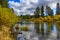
(7, 17)
(25, 28)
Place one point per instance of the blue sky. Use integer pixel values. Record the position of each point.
(14, 0)
(23, 7)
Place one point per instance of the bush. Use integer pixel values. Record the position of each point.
(7, 17)
(25, 28)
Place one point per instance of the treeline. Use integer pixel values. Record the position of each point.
(39, 12)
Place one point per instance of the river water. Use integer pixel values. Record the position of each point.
(40, 31)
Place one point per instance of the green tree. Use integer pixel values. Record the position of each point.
(4, 3)
(37, 11)
(57, 9)
(49, 11)
(42, 11)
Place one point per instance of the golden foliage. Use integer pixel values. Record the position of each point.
(5, 33)
(7, 17)
(58, 25)
(25, 28)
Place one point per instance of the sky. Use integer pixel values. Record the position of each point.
(23, 7)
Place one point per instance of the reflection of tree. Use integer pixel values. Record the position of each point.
(42, 28)
(50, 27)
(58, 28)
(37, 28)
(42, 11)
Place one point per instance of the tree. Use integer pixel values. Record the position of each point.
(49, 11)
(37, 11)
(57, 9)
(42, 11)
(7, 17)
(4, 3)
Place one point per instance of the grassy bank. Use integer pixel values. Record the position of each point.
(55, 18)
(7, 19)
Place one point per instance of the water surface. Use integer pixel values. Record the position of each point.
(41, 31)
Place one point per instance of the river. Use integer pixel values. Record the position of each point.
(40, 31)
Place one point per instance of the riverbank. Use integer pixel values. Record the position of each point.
(5, 33)
(7, 20)
(46, 19)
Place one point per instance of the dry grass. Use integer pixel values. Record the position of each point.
(5, 33)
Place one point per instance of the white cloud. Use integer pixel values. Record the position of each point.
(14, 3)
(34, 1)
(52, 5)
(49, 0)
(21, 8)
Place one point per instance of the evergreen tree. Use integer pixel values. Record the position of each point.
(57, 9)
(49, 11)
(42, 11)
(37, 11)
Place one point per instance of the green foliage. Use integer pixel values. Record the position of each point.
(37, 11)
(58, 9)
(0, 6)
(7, 17)
(42, 11)
(4, 3)
(58, 25)
(25, 17)
(49, 11)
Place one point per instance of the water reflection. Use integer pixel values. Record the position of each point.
(44, 30)
(58, 28)
(37, 28)
(49, 28)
